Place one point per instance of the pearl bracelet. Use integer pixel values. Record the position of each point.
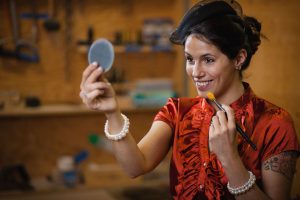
(120, 135)
(244, 188)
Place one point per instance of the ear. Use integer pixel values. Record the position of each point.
(240, 59)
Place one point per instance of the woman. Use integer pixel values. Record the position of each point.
(209, 159)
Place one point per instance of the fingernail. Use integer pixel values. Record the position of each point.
(95, 63)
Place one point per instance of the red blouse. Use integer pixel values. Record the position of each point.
(195, 173)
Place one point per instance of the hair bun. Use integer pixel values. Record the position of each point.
(253, 28)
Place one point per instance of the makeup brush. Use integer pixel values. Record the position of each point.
(212, 98)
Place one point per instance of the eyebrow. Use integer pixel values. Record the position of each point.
(186, 53)
(202, 56)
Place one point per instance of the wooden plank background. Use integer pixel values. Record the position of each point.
(55, 79)
(273, 74)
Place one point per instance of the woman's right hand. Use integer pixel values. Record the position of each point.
(96, 92)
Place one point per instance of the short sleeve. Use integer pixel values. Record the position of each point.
(168, 113)
(280, 136)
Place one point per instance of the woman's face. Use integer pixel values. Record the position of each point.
(210, 69)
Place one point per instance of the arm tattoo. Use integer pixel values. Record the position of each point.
(283, 163)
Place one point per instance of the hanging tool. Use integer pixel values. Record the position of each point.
(24, 50)
(90, 38)
(33, 16)
(51, 24)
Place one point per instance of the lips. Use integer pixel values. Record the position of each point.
(203, 85)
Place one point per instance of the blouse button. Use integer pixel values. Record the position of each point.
(201, 186)
(204, 164)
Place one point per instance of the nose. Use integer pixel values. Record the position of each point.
(198, 70)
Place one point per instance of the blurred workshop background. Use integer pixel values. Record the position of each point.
(52, 147)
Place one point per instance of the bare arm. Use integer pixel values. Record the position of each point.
(277, 171)
(277, 177)
(142, 158)
(98, 94)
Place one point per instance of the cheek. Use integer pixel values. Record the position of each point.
(215, 74)
(218, 71)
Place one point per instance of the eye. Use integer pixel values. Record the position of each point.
(189, 59)
(208, 60)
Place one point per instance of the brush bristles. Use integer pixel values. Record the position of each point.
(211, 96)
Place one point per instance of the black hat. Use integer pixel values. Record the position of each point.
(202, 11)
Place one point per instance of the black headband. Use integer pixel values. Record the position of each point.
(197, 14)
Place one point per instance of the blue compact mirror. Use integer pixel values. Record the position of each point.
(102, 52)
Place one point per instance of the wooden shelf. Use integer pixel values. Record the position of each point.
(134, 49)
(68, 109)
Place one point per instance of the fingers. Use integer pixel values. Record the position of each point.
(222, 132)
(92, 95)
(91, 74)
(95, 75)
(215, 124)
(96, 86)
(219, 122)
(222, 117)
(89, 81)
(88, 98)
(223, 122)
(90, 87)
(87, 72)
(230, 112)
(94, 90)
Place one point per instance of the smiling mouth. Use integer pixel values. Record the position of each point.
(202, 83)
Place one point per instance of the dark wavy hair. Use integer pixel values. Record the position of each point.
(230, 33)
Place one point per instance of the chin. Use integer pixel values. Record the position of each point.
(201, 93)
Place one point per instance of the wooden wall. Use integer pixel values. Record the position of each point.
(273, 73)
(37, 141)
(56, 78)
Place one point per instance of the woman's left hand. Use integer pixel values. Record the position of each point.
(222, 134)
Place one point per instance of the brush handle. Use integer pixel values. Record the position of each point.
(245, 136)
(219, 106)
(238, 128)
